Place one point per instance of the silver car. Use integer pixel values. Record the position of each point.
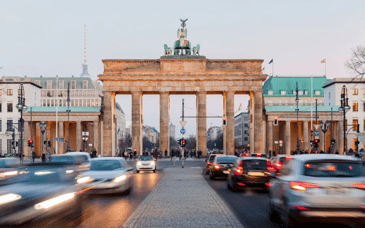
(321, 187)
(108, 175)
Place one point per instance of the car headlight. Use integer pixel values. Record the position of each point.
(54, 201)
(9, 173)
(152, 162)
(139, 163)
(83, 180)
(69, 171)
(120, 178)
(7, 198)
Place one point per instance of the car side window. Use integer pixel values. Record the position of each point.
(288, 168)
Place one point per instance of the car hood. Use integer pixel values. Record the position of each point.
(104, 175)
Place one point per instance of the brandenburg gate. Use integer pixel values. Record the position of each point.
(183, 73)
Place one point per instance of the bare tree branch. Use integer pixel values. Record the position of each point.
(356, 64)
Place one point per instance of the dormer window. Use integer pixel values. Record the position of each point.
(300, 93)
(318, 93)
(283, 93)
(270, 92)
(306, 92)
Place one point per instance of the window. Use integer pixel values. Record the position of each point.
(306, 92)
(92, 103)
(300, 93)
(364, 94)
(0, 107)
(84, 83)
(20, 92)
(246, 139)
(271, 92)
(355, 107)
(294, 92)
(1, 92)
(10, 107)
(283, 93)
(354, 125)
(10, 92)
(329, 95)
(1, 128)
(9, 125)
(76, 102)
(61, 84)
(96, 102)
(318, 93)
(9, 146)
(73, 84)
(355, 92)
(49, 84)
(1, 146)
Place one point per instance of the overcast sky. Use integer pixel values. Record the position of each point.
(46, 38)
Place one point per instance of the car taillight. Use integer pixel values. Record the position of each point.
(271, 169)
(301, 208)
(241, 184)
(238, 171)
(268, 184)
(268, 163)
(217, 166)
(279, 165)
(359, 185)
(302, 186)
(209, 163)
(259, 155)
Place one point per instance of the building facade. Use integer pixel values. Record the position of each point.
(150, 133)
(294, 131)
(242, 131)
(214, 132)
(9, 114)
(172, 131)
(356, 100)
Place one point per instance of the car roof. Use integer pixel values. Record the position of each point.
(77, 153)
(307, 157)
(252, 158)
(227, 156)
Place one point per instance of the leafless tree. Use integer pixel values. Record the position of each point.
(357, 63)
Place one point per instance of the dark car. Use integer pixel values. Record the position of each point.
(43, 190)
(249, 171)
(8, 170)
(221, 166)
(80, 162)
(209, 161)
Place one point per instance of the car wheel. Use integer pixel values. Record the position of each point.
(286, 219)
(137, 171)
(206, 171)
(154, 170)
(273, 214)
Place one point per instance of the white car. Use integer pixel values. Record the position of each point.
(108, 175)
(146, 163)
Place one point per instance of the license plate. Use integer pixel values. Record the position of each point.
(334, 191)
(259, 174)
(226, 171)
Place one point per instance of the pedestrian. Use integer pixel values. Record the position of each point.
(337, 152)
(135, 155)
(33, 156)
(43, 157)
(125, 155)
(165, 153)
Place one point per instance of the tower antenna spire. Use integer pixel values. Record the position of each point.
(85, 44)
(85, 72)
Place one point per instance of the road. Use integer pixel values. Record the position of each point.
(250, 207)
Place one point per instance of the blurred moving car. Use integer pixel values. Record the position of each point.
(278, 162)
(43, 190)
(249, 172)
(245, 155)
(321, 187)
(108, 175)
(85, 164)
(221, 166)
(8, 170)
(78, 161)
(145, 163)
(209, 161)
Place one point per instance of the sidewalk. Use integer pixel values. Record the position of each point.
(183, 199)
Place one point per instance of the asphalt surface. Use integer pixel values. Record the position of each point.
(251, 207)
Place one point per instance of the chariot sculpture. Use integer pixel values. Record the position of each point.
(182, 46)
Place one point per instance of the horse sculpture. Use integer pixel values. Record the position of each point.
(168, 50)
(196, 50)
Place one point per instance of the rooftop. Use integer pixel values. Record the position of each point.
(61, 109)
(288, 84)
(344, 81)
(78, 80)
(303, 108)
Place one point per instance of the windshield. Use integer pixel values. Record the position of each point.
(226, 159)
(145, 158)
(211, 158)
(333, 169)
(105, 165)
(61, 159)
(254, 165)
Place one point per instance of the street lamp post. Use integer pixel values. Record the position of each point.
(324, 126)
(68, 117)
(43, 127)
(21, 106)
(344, 108)
(11, 131)
(297, 110)
(85, 137)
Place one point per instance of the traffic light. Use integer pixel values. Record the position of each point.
(49, 144)
(357, 143)
(316, 141)
(30, 143)
(311, 142)
(179, 142)
(183, 142)
(224, 120)
(276, 120)
(333, 142)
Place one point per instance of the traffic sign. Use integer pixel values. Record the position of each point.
(316, 133)
(182, 123)
(276, 142)
(316, 126)
(316, 137)
(182, 131)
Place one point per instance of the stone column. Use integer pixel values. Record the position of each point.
(339, 140)
(26, 137)
(61, 149)
(270, 135)
(96, 136)
(201, 103)
(164, 122)
(78, 136)
(137, 121)
(252, 121)
(230, 122)
(109, 126)
(224, 127)
(287, 137)
(258, 125)
(306, 136)
(321, 139)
